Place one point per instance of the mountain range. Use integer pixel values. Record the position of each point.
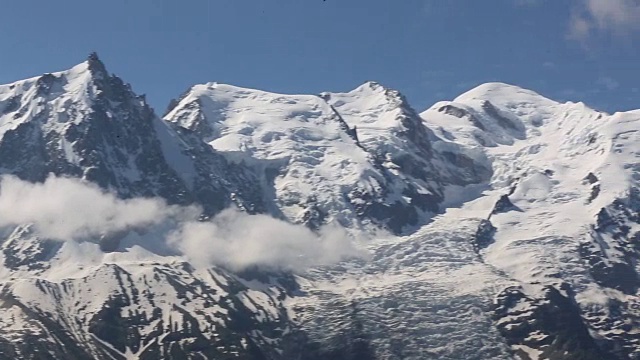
(244, 224)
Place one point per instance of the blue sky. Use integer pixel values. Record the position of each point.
(428, 49)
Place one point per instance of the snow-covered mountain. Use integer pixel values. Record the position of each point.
(358, 158)
(88, 124)
(565, 221)
(499, 225)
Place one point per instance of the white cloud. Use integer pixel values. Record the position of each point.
(69, 210)
(619, 17)
(237, 240)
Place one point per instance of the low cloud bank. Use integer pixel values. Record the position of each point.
(71, 210)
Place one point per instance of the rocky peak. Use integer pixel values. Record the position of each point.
(96, 66)
(87, 123)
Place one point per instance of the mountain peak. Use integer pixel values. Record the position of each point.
(374, 84)
(502, 93)
(96, 66)
(370, 86)
(93, 56)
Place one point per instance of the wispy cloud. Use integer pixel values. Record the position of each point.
(579, 28)
(569, 93)
(528, 2)
(617, 17)
(608, 82)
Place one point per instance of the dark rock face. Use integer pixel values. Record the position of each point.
(462, 113)
(313, 217)
(618, 320)
(23, 249)
(11, 105)
(454, 111)
(612, 274)
(124, 139)
(504, 205)
(503, 121)
(218, 183)
(552, 324)
(484, 235)
(591, 178)
(612, 232)
(23, 152)
(595, 191)
(612, 252)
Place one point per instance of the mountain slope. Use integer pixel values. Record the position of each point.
(566, 178)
